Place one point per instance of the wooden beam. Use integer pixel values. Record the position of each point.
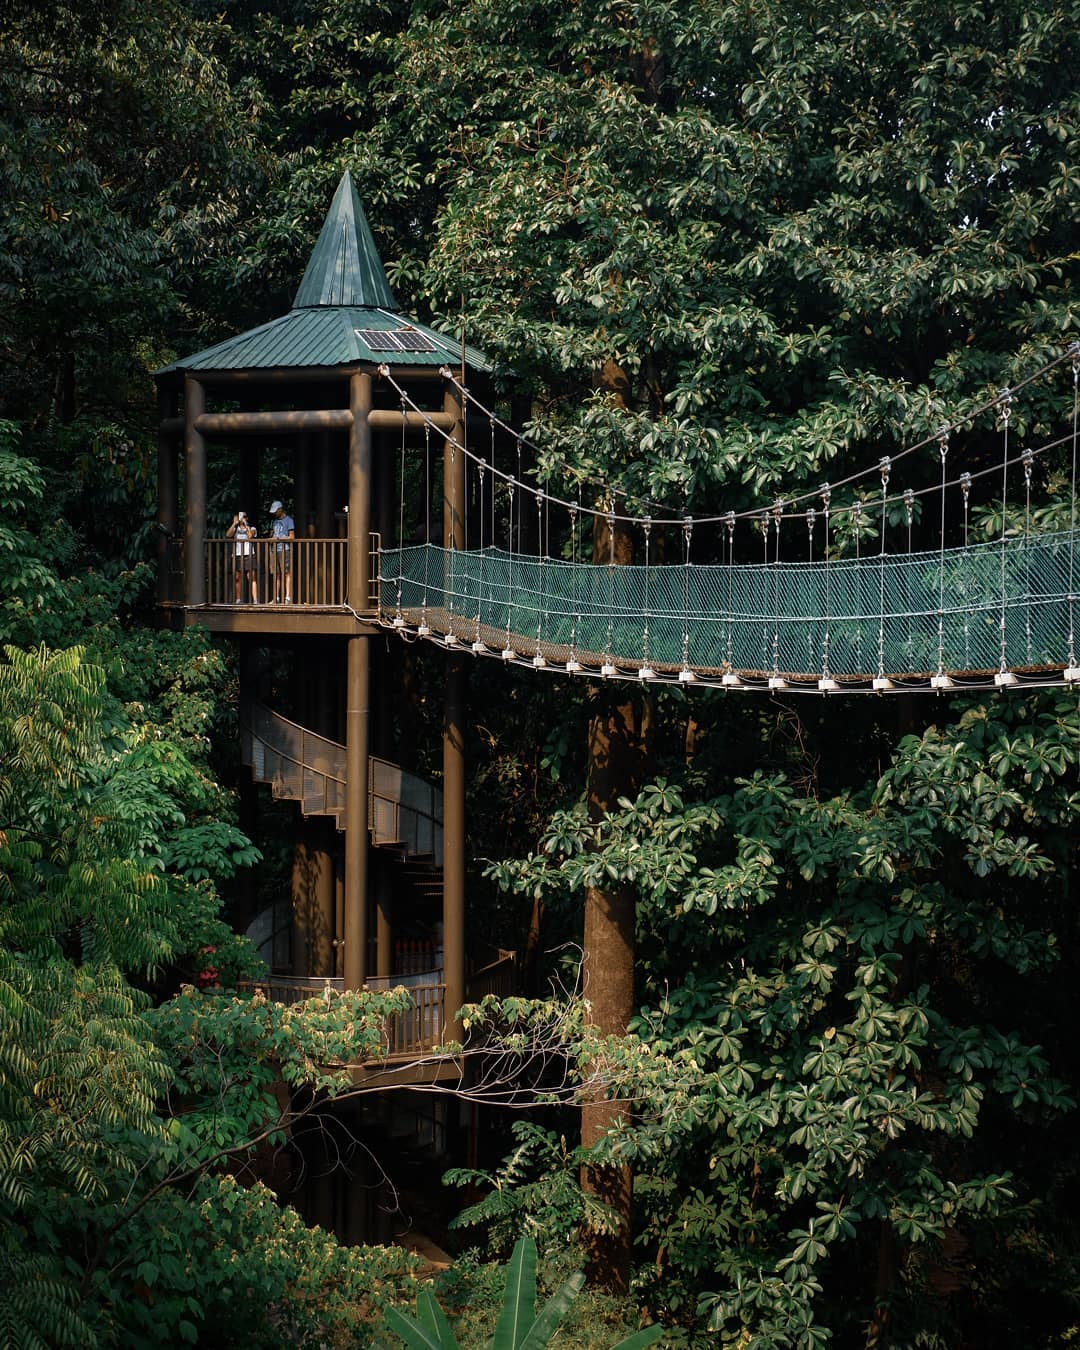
(307, 374)
(270, 621)
(302, 419)
(392, 418)
(354, 960)
(247, 423)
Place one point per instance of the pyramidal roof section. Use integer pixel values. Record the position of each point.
(345, 267)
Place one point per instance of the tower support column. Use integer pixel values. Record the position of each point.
(194, 495)
(357, 718)
(454, 486)
(167, 485)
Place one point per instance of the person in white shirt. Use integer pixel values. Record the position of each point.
(242, 532)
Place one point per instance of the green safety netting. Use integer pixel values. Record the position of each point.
(890, 614)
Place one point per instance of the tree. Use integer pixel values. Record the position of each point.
(833, 1041)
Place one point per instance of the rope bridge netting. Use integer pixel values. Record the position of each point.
(882, 615)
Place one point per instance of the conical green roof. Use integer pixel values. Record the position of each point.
(344, 314)
(344, 267)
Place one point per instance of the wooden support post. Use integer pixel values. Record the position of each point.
(322, 866)
(357, 693)
(384, 927)
(248, 804)
(167, 481)
(339, 913)
(302, 457)
(354, 965)
(324, 484)
(454, 741)
(194, 495)
(359, 491)
(302, 918)
(250, 500)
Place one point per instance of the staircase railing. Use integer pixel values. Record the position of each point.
(404, 810)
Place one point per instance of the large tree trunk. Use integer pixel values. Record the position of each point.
(617, 757)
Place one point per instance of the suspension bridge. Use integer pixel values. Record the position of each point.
(821, 592)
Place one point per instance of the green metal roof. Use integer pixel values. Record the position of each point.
(345, 267)
(342, 307)
(328, 335)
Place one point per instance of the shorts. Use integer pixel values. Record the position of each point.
(245, 562)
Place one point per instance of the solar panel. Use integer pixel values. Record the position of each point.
(413, 341)
(378, 340)
(395, 340)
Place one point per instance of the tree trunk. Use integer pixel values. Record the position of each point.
(617, 756)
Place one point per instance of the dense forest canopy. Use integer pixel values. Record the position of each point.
(724, 248)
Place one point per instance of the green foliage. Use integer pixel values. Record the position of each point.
(114, 1115)
(537, 1189)
(519, 1327)
(778, 235)
(228, 1261)
(831, 1051)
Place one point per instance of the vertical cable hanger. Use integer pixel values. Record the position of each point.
(881, 681)
(573, 665)
(539, 660)
(609, 669)
(508, 652)
(730, 678)
(909, 516)
(856, 517)
(965, 491)
(1005, 677)
(450, 637)
(686, 675)
(827, 684)
(776, 680)
(811, 519)
(493, 533)
(423, 630)
(645, 671)
(1072, 671)
(940, 680)
(399, 617)
(478, 646)
(766, 588)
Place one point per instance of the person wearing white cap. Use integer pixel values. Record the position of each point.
(283, 528)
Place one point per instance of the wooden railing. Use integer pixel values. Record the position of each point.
(313, 572)
(419, 1029)
(416, 1030)
(299, 764)
(499, 977)
(403, 808)
(292, 988)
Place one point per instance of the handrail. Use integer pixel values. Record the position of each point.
(289, 989)
(268, 571)
(497, 977)
(403, 809)
(415, 1030)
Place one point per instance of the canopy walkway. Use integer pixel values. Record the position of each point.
(839, 599)
(905, 618)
